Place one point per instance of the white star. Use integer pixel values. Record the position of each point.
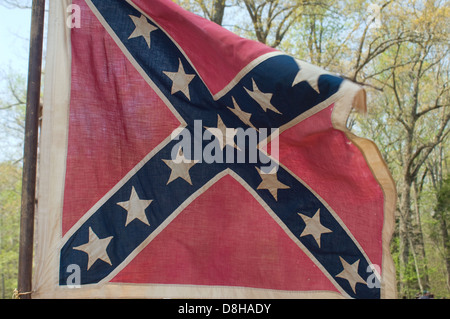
(262, 98)
(350, 273)
(143, 28)
(135, 208)
(180, 167)
(180, 80)
(95, 248)
(270, 182)
(309, 73)
(223, 134)
(243, 116)
(313, 226)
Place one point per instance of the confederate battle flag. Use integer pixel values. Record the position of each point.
(178, 160)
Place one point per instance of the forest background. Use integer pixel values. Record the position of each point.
(398, 50)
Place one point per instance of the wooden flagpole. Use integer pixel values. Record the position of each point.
(30, 150)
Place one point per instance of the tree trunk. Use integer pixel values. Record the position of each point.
(404, 226)
(421, 261)
(218, 11)
(446, 243)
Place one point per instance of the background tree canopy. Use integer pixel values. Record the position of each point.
(398, 50)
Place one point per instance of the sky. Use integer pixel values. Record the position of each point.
(14, 36)
(14, 48)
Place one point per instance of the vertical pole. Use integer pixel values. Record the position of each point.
(30, 150)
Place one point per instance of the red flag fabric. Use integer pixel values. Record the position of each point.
(180, 160)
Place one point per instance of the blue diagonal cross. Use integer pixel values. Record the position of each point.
(150, 182)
